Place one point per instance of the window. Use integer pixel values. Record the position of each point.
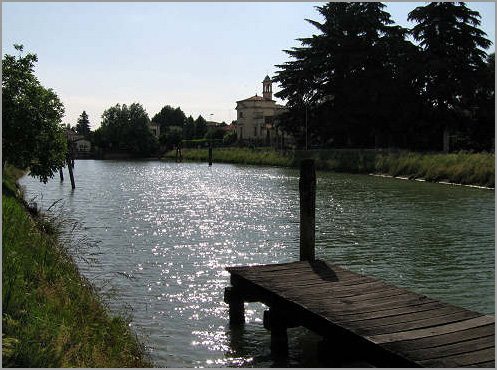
(240, 114)
(255, 131)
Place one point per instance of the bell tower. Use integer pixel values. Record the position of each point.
(267, 89)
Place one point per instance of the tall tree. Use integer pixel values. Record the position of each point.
(479, 127)
(169, 116)
(189, 129)
(126, 129)
(172, 137)
(32, 135)
(347, 77)
(200, 127)
(83, 125)
(453, 49)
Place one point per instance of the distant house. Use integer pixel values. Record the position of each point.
(257, 116)
(155, 128)
(72, 136)
(220, 126)
(228, 128)
(81, 147)
(212, 124)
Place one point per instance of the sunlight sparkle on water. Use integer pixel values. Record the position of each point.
(173, 228)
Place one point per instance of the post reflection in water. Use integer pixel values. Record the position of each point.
(167, 231)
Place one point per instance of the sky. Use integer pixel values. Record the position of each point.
(201, 57)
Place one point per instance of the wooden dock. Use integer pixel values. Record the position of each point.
(359, 317)
(362, 317)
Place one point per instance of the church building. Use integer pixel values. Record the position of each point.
(256, 115)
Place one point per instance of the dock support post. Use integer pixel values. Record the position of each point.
(279, 336)
(61, 175)
(71, 175)
(210, 155)
(307, 189)
(236, 307)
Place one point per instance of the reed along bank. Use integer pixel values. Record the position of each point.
(464, 168)
(51, 315)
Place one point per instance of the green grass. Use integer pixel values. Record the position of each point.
(51, 315)
(235, 155)
(462, 168)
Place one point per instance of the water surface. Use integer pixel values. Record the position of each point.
(167, 231)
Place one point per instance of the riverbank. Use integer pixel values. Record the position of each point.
(460, 168)
(51, 315)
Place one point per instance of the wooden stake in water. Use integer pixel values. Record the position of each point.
(307, 189)
(71, 175)
(210, 155)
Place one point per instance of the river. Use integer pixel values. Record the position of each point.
(156, 238)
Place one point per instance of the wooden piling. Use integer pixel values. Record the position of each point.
(61, 175)
(236, 307)
(275, 322)
(71, 175)
(179, 154)
(307, 189)
(210, 155)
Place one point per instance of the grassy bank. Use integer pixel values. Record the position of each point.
(462, 168)
(51, 315)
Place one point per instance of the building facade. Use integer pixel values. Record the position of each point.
(155, 128)
(257, 115)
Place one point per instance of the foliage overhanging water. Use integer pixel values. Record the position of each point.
(166, 232)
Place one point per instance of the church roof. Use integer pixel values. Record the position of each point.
(254, 98)
(267, 78)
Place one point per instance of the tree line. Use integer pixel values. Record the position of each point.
(33, 136)
(361, 82)
(127, 129)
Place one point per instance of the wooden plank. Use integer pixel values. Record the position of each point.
(488, 365)
(333, 292)
(279, 277)
(346, 297)
(289, 266)
(387, 318)
(294, 274)
(442, 329)
(418, 324)
(341, 310)
(453, 348)
(465, 359)
(317, 268)
(389, 313)
(417, 318)
(443, 339)
(310, 282)
(288, 277)
(355, 304)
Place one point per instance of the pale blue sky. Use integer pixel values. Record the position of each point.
(202, 57)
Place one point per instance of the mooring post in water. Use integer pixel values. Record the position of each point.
(61, 175)
(210, 154)
(236, 307)
(274, 321)
(307, 189)
(71, 175)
